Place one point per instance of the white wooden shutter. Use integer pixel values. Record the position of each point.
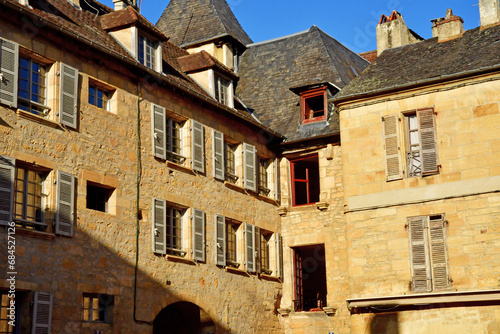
(198, 146)
(42, 313)
(392, 147)
(257, 250)
(419, 254)
(159, 226)
(9, 64)
(198, 235)
(218, 149)
(250, 163)
(220, 238)
(7, 174)
(439, 254)
(68, 96)
(65, 204)
(277, 193)
(428, 142)
(279, 255)
(249, 248)
(158, 131)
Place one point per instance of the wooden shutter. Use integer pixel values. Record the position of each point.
(277, 193)
(65, 204)
(42, 313)
(392, 147)
(198, 235)
(220, 237)
(428, 142)
(249, 163)
(279, 255)
(419, 254)
(68, 96)
(159, 226)
(257, 254)
(439, 255)
(7, 174)
(158, 131)
(249, 248)
(9, 64)
(218, 149)
(198, 146)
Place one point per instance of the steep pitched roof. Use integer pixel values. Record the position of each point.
(269, 69)
(428, 61)
(187, 22)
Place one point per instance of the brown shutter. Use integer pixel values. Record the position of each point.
(198, 235)
(42, 313)
(9, 64)
(419, 254)
(220, 237)
(218, 149)
(392, 147)
(439, 256)
(249, 247)
(68, 97)
(198, 146)
(65, 204)
(428, 142)
(249, 163)
(158, 131)
(7, 174)
(159, 226)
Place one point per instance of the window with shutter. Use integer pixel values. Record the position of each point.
(42, 313)
(218, 158)
(68, 98)
(158, 131)
(250, 248)
(7, 173)
(220, 237)
(265, 237)
(9, 58)
(65, 204)
(232, 227)
(264, 176)
(198, 149)
(392, 148)
(250, 164)
(230, 163)
(257, 256)
(159, 231)
(198, 235)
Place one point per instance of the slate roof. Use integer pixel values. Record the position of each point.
(269, 69)
(187, 22)
(428, 61)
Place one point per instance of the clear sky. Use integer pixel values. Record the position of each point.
(350, 22)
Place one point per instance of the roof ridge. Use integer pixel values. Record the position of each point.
(278, 38)
(342, 44)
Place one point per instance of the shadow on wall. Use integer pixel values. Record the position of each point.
(384, 323)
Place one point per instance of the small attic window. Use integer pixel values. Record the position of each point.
(314, 105)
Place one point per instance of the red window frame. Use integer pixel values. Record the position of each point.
(305, 108)
(307, 181)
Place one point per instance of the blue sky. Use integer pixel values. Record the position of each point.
(350, 22)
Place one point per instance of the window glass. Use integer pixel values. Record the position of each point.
(32, 86)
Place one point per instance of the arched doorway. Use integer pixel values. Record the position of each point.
(183, 318)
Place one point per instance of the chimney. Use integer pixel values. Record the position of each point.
(392, 32)
(120, 4)
(447, 28)
(489, 11)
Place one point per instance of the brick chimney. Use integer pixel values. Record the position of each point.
(392, 32)
(448, 28)
(489, 11)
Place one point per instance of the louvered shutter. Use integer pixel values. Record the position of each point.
(9, 64)
(249, 248)
(198, 235)
(42, 313)
(158, 131)
(419, 254)
(65, 204)
(220, 237)
(249, 163)
(428, 142)
(198, 149)
(7, 174)
(159, 226)
(279, 255)
(277, 193)
(439, 256)
(218, 149)
(257, 254)
(392, 148)
(68, 96)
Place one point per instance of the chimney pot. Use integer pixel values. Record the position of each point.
(489, 11)
(392, 32)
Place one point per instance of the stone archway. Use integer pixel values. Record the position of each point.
(183, 318)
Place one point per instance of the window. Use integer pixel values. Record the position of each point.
(264, 177)
(264, 253)
(309, 277)
(174, 141)
(174, 231)
(305, 180)
(147, 52)
(230, 163)
(99, 97)
(7, 322)
(96, 307)
(428, 253)
(168, 229)
(98, 197)
(32, 87)
(231, 243)
(222, 90)
(314, 105)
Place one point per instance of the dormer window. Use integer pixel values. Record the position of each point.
(222, 90)
(147, 52)
(314, 105)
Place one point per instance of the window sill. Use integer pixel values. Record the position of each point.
(35, 234)
(174, 258)
(32, 117)
(270, 278)
(240, 272)
(235, 187)
(268, 200)
(179, 168)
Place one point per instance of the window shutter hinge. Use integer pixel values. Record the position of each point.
(58, 73)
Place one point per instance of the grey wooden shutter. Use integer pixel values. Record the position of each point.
(65, 204)
(279, 255)
(257, 250)
(68, 96)
(42, 313)
(428, 142)
(218, 149)
(419, 254)
(439, 255)
(198, 235)
(277, 193)
(7, 174)
(198, 149)
(159, 226)
(249, 248)
(220, 238)
(249, 163)
(392, 147)
(9, 64)
(158, 131)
